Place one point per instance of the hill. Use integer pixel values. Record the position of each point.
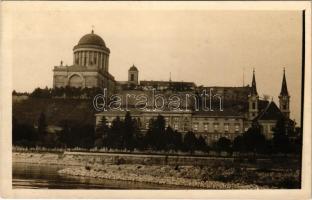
(74, 111)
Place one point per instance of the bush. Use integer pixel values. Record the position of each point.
(120, 161)
(289, 183)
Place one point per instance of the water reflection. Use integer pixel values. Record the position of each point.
(45, 176)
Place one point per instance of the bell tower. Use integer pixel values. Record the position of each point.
(284, 97)
(133, 75)
(253, 99)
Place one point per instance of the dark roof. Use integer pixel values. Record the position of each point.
(133, 68)
(284, 91)
(167, 83)
(92, 39)
(240, 108)
(218, 113)
(270, 112)
(230, 108)
(262, 104)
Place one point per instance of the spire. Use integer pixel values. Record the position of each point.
(92, 31)
(243, 77)
(253, 84)
(284, 91)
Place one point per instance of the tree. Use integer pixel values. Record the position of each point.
(115, 137)
(138, 136)
(159, 128)
(254, 140)
(58, 92)
(178, 140)
(128, 132)
(224, 144)
(155, 136)
(201, 144)
(41, 93)
(101, 132)
(170, 138)
(65, 136)
(42, 125)
(239, 144)
(281, 143)
(82, 136)
(23, 134)
(190, 142)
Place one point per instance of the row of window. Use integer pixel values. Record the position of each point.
(196, 126)
(216, 127)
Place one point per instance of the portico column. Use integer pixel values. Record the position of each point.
(104, 62)
(97, 59)
(100, 61)
(87, 55)
(107, 63)
(80, 58)
(84, 58)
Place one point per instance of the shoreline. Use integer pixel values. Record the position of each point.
(123, 172)
(216, 175)
(124, 175)
(78, 169)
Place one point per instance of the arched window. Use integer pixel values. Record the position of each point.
(284, 106)
(253, 105)
(75, 81)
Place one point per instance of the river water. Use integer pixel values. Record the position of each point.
(42, 176)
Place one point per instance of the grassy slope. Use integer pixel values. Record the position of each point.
(75, 111)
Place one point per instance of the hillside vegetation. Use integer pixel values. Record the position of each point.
(74, 111)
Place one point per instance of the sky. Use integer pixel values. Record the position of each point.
(208, 47)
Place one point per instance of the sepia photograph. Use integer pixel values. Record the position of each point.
(158, 96)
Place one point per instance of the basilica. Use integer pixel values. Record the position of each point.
(241, 105)
(89, 68)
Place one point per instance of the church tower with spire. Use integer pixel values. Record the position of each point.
(253, 99)
(284, 97)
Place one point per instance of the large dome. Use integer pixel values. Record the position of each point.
(92, 39)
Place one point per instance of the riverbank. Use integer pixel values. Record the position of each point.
(218, 174)
(45, 158)
(188, 176)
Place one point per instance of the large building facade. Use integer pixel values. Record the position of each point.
(90, 66)
(239, 106)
